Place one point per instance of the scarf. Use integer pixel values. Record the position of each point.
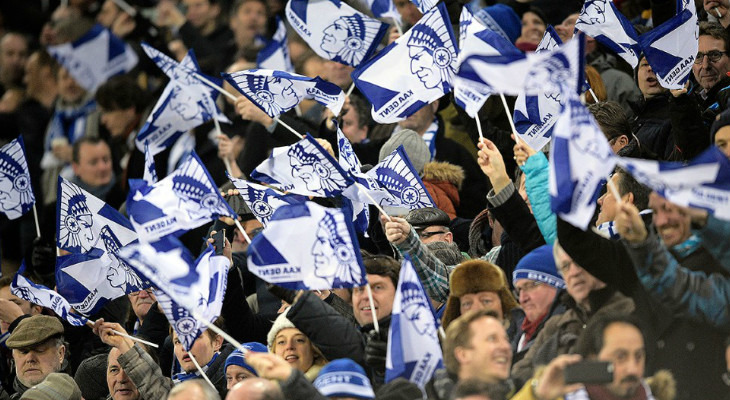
(688, 247)
(69, 121)
(599, 392)
(430, 137)
(184, 376)
(529, 328)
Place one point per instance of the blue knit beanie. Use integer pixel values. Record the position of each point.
(344, 378)
(237, 358)
(539, 265)
(500, 18)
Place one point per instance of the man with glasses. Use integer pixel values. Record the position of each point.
(431, 225)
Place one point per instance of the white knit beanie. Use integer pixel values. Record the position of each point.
(281, 322)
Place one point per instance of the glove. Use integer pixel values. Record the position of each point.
(375, 352)
(282, 293)
(43, 257)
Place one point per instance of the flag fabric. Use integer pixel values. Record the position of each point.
(150, 173)
(303, 168)
(186, 199)
(671, 48)
(499, 18)
(307, 246)
(351, 164)
(336, 31)
(601, 20)
(276, 92)
(261, 200)
(188, 285)
(396, 90)
(398, 176)
(85, 223)
(275, 55)
(185, 103)
(95, 57)
(580, 160)
(16, 193)
(424, 5)
(702, 183)
(382, 9)
(413, 351)
(44, 297)
(89, 280)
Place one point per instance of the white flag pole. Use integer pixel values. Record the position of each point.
(375, 203)
(593, 94)
(122, 334)
(292, 130)
(219, 132)
(35, 218)
(479, 127)
(350, 89)
(509, 118)
(614, 190)
(202, 373)
(219, 331)
(372, 307)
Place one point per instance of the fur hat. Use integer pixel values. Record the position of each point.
(476, 276)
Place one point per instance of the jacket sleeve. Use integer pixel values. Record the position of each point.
(536, 181)
(241, 322)
(523, 369)
(511, 211)
(297, 387)
(689, 131)
(145, 374)
(334, 335)
(432, 272)
(715, 239)
(704, 297)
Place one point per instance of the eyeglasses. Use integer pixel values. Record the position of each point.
(712, 55)
(426, 235)
(527, 287)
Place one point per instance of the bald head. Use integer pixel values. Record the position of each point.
(255, 389)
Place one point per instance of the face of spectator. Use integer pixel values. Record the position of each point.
(13, 55)
(119, 384)
(201, 13)
(295, 348)
(607, 202)
(35, 74)
(337, 73)
(708, 72)
(249, 21)
(566, 28)
(118, 122)
(95, 164)
(722, 140)
(351, 126)
(623, 345)
(68, 89)
(533, 27)
(421, 119)
(408, 11)
(33, 364)
(481, 301)
(203, 350)
(383, 296)
(489, 354)
(235, 374)
(108, 13)
(141, 303)
(535, 297)
(578, 283)
(25, 306)
(648, 83)
(672, 224)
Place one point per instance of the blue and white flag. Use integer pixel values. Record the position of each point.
(499, 18)
(424, 5)
(601, 20)
(95, 57)
(85, 223)
(275, 55)
(185, 103)
(336, 31)
(382, 9)
(44, 297)
(16, 193)
(414, 351)
(276, 92)
(89, 280)
(303, 168)
(261, 200)
(563, 70)
(307, 246)
(411, 72)
(150, 173)
(702, 183)
(397, 175)
(580, 160)
(186, 199)
(671, 48)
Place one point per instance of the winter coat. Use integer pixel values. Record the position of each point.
(620, 86)
(298, 387)
(515, 331)
(652, 126)
(536, 183)
(145, 374)
(443, 182)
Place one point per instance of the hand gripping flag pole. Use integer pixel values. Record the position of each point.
(225, 160)
(130, 337)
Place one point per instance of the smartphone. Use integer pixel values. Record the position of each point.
(219, 240)
(592, 372)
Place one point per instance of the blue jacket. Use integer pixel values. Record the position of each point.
(536, 182)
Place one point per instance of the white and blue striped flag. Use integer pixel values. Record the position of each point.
(44, 297)
(261, 200)
(702, 183)
(580, 160)
(601, 20)
(414, 351)
(411, 72)
(303, 168)
(398, 176)
(309, 247)
(95, 57)
(336, 31)
(671, 48)
(186, 199)
(276, 92)
(16, 193)
(150, 172)
(275, 55)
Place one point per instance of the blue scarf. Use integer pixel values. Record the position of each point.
(184, 376)
(688, 247)
(69, 122)
(430, 137)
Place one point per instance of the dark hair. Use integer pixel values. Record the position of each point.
(46, 60)
(362, 109)
(120, 93)
(476, 387)
(590, 341)
(611, 118)
(5, 281)
(92, 140)
(379, 264)
(627, 184)
(716, 31)
(239, 3)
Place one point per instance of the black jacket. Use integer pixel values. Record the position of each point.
(652, 126)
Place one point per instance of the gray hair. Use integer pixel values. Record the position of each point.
(181, 389)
